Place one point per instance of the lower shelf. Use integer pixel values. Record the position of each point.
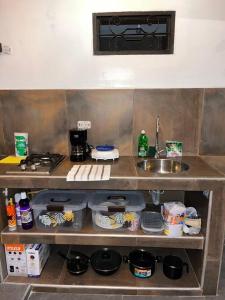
(56, 277)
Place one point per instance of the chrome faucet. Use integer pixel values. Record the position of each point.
(157, 149)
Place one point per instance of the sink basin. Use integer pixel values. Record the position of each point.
(162, 166)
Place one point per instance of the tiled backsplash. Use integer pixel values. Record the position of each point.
(194, 116)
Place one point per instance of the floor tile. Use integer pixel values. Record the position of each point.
(12, 291)
(69, 296)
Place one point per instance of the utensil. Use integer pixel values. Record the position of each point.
(173, 267)
(142, 263)
(106, 261)
(78, 264)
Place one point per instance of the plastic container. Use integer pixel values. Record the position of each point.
(142, 144)
(62, 209)
(116, 210)
(152, 222)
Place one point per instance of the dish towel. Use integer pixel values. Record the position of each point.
(89, 173)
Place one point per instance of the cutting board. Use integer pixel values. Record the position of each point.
(11, 160)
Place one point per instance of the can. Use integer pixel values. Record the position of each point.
(21, 143)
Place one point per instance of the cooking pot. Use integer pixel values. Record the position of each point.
(173, 267)
(142, 263)
(78, 264)
(106, 261)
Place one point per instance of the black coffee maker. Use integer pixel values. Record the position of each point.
(79, 147)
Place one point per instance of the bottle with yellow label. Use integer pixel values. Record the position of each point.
(11, 214)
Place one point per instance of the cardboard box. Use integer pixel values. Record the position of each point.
(16, 259)
(37, 255)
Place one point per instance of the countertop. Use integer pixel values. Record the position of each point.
(125, 175)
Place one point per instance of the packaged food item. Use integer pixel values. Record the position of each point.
(116, 210)
(174, 212)
(21, 143)
(173, 230)
(174, 148)
(37, 255)
(192, 222)
(16, 259)
(173, 215)
(62, 209)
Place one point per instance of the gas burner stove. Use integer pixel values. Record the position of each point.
(37, 164)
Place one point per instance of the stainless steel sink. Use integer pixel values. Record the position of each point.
(162, 166)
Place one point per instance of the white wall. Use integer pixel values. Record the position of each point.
(51, 44)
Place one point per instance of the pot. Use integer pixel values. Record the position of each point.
(106, 261)
(173, 267)
(142, 263)
(78, 264)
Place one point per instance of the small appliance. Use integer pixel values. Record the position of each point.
(105, 152)
(79, 147)
(37, 164)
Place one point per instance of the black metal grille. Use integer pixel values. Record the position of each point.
(135, 33)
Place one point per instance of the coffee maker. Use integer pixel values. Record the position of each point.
(79, 147)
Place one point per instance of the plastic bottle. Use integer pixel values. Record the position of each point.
(142, 144)
(25, 212)
(18, 216)
(11, 214)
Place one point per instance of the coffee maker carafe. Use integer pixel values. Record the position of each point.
(79, 146)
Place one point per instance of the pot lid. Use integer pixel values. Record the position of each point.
(141, 258)
(105, 260)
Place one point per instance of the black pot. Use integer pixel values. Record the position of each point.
(106, 261)
(173, 267)
(142, 263)
(77, 264)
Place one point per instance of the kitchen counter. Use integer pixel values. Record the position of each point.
(203, 251)
(216, 162)
(124, 175)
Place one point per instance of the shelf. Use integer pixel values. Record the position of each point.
(90, 236)
(56, 275)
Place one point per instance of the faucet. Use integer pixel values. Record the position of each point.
(157, 149)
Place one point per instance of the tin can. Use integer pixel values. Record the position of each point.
(21, 143)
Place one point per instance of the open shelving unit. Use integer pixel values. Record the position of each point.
(56, 275)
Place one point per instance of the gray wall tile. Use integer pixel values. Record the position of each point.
(213, 124)
(179, 111)
(40, 113)
(110, 112)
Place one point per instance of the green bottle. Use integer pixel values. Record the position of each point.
(142, 144)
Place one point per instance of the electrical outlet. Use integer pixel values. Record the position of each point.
(4, 49)
(84, 124)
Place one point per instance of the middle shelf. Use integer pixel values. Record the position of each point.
(90, 236)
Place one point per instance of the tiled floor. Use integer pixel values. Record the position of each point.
(20, 292)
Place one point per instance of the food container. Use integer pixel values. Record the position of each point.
(62, 209)
(152, 222)
(173, 230)
(116, 210)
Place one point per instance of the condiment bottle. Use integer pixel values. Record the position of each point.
(142, 144)
(25, 212)
(18, 216)
(11, 214)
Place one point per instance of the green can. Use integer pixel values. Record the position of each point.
(21, 143)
